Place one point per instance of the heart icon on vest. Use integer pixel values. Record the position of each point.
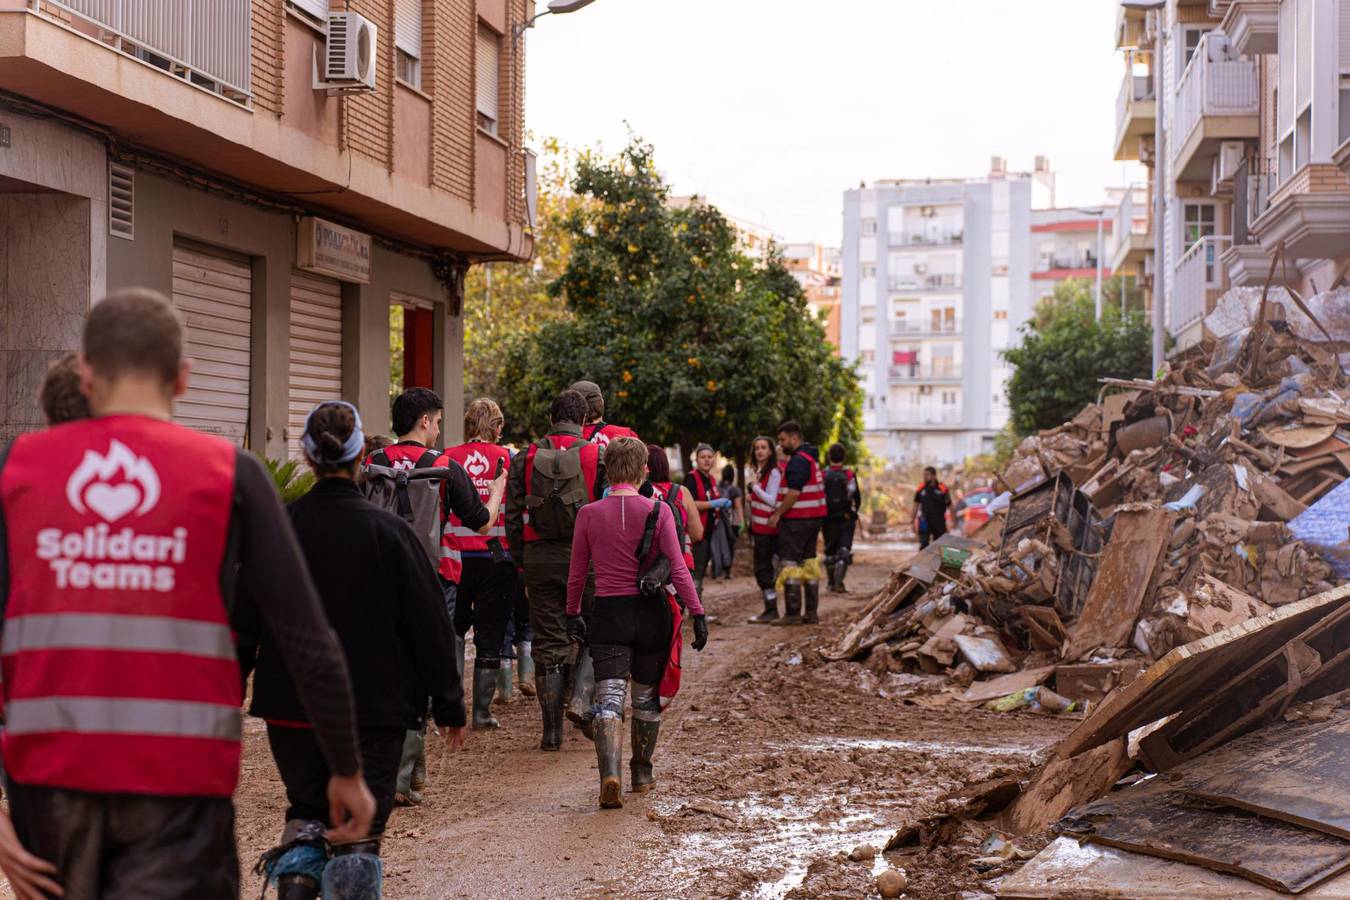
(476, 465)
(112, 502)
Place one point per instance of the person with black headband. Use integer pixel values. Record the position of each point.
(383, 601)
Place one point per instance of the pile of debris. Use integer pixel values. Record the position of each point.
(1167, 511)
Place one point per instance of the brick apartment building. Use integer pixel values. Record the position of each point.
(287, 174)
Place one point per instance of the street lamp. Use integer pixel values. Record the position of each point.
(555, 7)
(1100, 215)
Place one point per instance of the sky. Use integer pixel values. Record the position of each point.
(772, 109)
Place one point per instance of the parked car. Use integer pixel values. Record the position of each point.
(973, 510)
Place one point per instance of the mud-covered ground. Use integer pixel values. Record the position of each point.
(772, 765)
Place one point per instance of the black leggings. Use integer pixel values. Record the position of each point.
(630, 636)
(305, 772)
(486, 597)
(766, 545)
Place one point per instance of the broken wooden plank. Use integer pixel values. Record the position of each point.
(1063, 784)
(1189, 675)
(1125, 573)
(882, 605)
(1045, 629)
(1092, 681)
(1295, 773)
(1004, 685)
(1157, 818)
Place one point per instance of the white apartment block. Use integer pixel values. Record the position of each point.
(936, 280)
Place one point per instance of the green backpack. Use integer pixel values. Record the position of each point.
(558, 490)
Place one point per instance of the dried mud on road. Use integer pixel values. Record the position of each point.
(772, 765)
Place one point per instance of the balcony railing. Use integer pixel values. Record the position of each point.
(1133, 89)
(926, 372)
(1198, 272)
(1086, 261)
(904, 328)
(925, 239)
(926, 283)
(1131, 218)
(949, 415)
(208, 44)
(1222, 86)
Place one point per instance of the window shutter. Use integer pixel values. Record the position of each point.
(316, 8)
(408, 26)
(1288, 65)
(489, 51)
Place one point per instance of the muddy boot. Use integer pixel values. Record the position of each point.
(297, 863)
(837, 573)
(812, 591)
(485, 673)
(608, 723)
(579, 711)
(506, 685)
(770, 609)
(548, 686)
(792, 603)
(297, 887)
(646, 725)
(356, 872)
(829, 571)
(524, 669)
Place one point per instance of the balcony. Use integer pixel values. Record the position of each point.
(943, 416)
(1136, 108)
(1129, 26)
(1247, 262)
(1252, 26)
(1132, 238)
(1217, 100)
(902, 328)
(1198, 281)
(934, 373)
(916, 283)
(1309, 212)
(926, 238)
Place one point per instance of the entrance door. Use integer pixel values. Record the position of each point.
(316, 349)
(213, 290)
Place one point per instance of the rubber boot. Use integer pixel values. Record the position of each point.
(792, 603)
(356, 872)
(829, 571)
(579, 705)
(524, 669)
(484, 686)
(297, 863)
(837, 573)
(297, 887)
(506, 685)
(608, 749)
(770, 608)
(812, 592)
(548, 686)
(645, 732)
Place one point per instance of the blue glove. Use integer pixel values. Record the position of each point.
(720, 503)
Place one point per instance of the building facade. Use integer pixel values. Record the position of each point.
(1247, 139)
(1067, 243)
(818, 270)
(287, 172)
(936, 278)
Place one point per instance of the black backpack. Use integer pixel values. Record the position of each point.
(837, 501)
(653, 579)
(558, 489)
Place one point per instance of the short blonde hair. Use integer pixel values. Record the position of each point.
(625, 461)
(481, 419)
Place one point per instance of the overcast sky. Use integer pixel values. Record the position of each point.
(773, 109)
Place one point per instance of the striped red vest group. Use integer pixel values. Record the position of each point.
(671, 493)
(479, 460)
(811, 503)
(403, 456)
(760, 511)
(590, 468)
(119, 665)
(704, 488)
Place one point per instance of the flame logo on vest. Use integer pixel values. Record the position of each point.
(477, 464)
(89, 487)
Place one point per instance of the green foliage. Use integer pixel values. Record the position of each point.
(395, 351)
(1064, 351)
(292, 478)
(689, 339)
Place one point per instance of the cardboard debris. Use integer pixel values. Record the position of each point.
(1004, 685)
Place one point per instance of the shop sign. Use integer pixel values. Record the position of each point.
(330, 249)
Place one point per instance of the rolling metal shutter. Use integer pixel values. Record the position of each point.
(316, 349)
(213, 290)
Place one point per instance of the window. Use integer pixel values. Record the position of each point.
(408, 41)
(869, 226)
(869, 270)
(1197, 222)
(1000, 315)
(488, 62)
(316, 8)
(1189, 44)
(1294, 86)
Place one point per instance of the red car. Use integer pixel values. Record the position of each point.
(973, 510)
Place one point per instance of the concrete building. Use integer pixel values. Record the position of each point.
(936, 280)
(285, 171)
(1066, 244)
(818, 270)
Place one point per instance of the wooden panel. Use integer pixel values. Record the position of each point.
(316, 350)
(213, 290)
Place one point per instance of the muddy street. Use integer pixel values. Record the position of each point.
(771, 765)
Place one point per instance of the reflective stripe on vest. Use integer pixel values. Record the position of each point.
(811, 502)
(590, 469)
(479, 461)
(116, 640)
(705, 491)
(760, 511)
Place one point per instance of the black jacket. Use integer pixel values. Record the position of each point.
(386, 606)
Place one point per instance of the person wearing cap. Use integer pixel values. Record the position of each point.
(386, 607)
(596, 429)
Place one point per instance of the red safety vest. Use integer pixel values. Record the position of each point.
(479, 459)
(602, 433)
(811, 503)
(704, 489)
(590, 468)
(671, 492)
(120, 673)
(760, 511)
(402, 456)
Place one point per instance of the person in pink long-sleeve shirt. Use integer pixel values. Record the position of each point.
(629, 634)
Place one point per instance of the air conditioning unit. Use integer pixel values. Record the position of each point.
(1226, 162)
(925, 389)
(927, 212)
(348, 64)
(1147, 156)
(920, 268)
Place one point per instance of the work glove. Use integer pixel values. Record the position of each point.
(700, 632)
(720, 503)
(576, 629)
